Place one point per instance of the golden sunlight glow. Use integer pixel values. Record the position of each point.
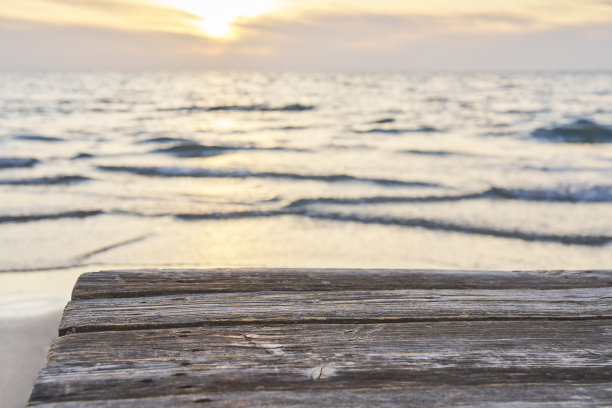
(225, 19)
(218, 16)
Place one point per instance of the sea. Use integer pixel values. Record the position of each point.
(445, 170)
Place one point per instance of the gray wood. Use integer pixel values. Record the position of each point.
(153, 282)
(562, 395)
(286, 337)
(430, 364)
(333, 307)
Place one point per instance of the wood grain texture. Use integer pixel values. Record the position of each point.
(332, 307)
(381, 361)
(312, 337)
(154, 282)
(562, 395)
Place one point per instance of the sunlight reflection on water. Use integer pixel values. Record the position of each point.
(298, 170)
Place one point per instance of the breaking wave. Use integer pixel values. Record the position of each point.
(428, 224)
(295, 107)
(15, 162)
(287, 128)
(243, 174)
(38, 138)
(382, 121)
(526, 111)
(594, 194)
(4, 219)
(579, 131)
(432, 152)
(397, 131)
(44, 181)
(80, 156)
(588, 240)
(231, 215)
(165, 139)
(423, 223)
(193, 150)
(302, 202)
(597, 194)
(197, 150)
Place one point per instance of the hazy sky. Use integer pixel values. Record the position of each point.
(307, 34)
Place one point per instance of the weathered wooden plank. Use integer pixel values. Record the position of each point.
(479, 363)
(333, 307)
(390, 338)
(564, 395)
(140, 283)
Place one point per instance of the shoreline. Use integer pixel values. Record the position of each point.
(31, 306)
(24, 344)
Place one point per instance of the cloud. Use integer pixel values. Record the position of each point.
(350, 41)
(119, 14)
(44, 46)
(379, 42)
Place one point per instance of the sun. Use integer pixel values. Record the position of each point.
(219, 15)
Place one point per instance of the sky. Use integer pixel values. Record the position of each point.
(320, 35)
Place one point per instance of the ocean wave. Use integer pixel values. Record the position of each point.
(526, 111)
(303, 202)
(4, 219)
(287, 128)
(587, 240)
(439, 99)
(397, 131)
(564, 169)
(382, 121)
(198, 150)
(163, 140)
(82, 156)
(594, 194)
(579, 131)
(231, 215)
(44, 181)
(243, 174)
(423, 223)
(193, 150)
(500, 133)
(38, 138)
(15, 162)
(347, 147)
(295, 107)
(432, 152)
(597, 194)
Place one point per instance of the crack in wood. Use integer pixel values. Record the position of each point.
(282, 321)
(322, 372)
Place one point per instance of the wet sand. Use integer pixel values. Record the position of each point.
(31, 305)
(24, 343)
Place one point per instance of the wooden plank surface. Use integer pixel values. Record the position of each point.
(157, 282)
(282, 337)
(322, 358)
(563, 395)
(333, 307)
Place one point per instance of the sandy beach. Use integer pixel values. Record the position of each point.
(24, 343)
(31, 306)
